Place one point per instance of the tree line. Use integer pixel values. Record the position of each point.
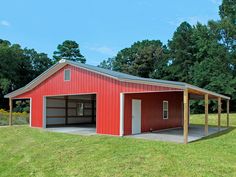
(203, 55)
(19, 66)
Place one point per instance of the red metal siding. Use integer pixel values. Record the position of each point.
(152, 111)
(82, 81)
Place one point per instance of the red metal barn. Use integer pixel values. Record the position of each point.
(119, 104)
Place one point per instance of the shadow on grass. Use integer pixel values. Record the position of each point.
(217, 134)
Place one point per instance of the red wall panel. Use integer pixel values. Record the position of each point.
(152, 111)
(82, 81)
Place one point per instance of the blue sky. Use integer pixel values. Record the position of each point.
(103, 27)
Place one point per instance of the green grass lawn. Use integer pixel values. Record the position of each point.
(33, 152)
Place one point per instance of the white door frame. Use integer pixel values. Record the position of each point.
(122, 114)
(136, 122)
(30, 116)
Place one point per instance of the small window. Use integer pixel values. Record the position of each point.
(165, 110)
(80, 109)
(67, 74)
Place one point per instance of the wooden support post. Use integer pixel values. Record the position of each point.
(10, 112)
(206, 114)
(66, 110)
(227, 113)
(219, 112)
(186, 116)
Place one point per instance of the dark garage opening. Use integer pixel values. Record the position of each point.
(71, 111)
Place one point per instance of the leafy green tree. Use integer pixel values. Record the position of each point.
(162, 65)
(10, 58)
(140, 58)
(225, 29)
(211, 69)
(228, 10)
(39, 61)
(68, 50)
(4, 42)
(212, 74)
(10, 55)
(182, 53)
(123, 61)
(107, 64)
(19, 66)
(5, 85)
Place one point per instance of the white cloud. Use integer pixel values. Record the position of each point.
(5, 23)
(104, 50)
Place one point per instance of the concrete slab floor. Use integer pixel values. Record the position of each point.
(176, 135)
(80, 130)
(196, 132)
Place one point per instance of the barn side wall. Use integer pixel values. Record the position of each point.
(83, 81)
(152, 111)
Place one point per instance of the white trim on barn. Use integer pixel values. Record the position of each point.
(122, 114)
(30, 116)
(160, 91)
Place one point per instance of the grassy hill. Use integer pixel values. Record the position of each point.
(28, 151)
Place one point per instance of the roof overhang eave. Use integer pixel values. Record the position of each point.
(177, 86)
(204, 91)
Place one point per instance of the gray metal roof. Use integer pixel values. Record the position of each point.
(114, 74)
(125, 76)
